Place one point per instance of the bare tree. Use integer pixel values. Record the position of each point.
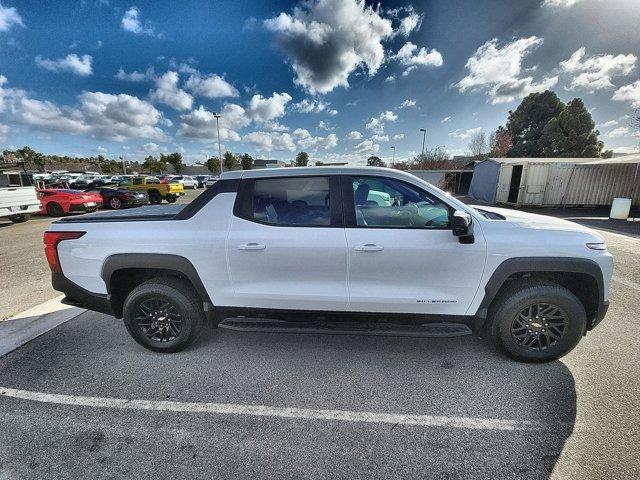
(478, 145)
(500, 142)
(434, 159)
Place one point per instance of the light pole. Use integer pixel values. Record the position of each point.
(424, 137)
(124, 167)
(393, 159)
(217, 116)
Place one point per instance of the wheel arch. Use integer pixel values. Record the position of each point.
(123, 272)
(581, 276)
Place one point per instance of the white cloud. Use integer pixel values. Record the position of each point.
(398, 136)
(307, 105)
(465, 134)
(151, 147)
(305, 140)
(607, 124)
(201, 123)
(355, 135)
(9, 17)
(618, 132)
(380, 137)
(262, 110)
(326, 40)
(131, 22)
(410, 57)
(559, 3)
(322, 125)
(270, 141)
(167, 92)
(595, 72)
(99, 115)
(136, 76)
(390, 79)
(445, 120)
(629, 93)
(408, 103)
(71, 63)
(367, 146)
(497, 70)
(211, 86)
(377, 123)
(100, 149)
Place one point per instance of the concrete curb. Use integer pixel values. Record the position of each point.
(30, 324)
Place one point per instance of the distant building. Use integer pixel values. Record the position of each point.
(267, 163)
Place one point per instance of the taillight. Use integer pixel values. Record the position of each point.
(51, 241)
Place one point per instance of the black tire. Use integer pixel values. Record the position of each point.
(154, 197)
(115, 203)
(171, 198)
(54, 209)
(21, 218)
(519, 325)
(184, 317)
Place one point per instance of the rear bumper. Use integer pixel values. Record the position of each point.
(83, 207)
(79, 297)
(19, 209)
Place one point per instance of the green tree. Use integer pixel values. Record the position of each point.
(375, 161)
(527, 122)
(246, 161)
(213, 165)
(153, 165)
(230, 161)
(571, 134)
(174, 159)
(32, 158)
(302, 159)
(319, 163)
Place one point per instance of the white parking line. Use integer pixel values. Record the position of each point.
(282, 412)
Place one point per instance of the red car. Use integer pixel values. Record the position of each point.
(56, 202)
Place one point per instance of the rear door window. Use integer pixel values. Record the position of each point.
(287, 201)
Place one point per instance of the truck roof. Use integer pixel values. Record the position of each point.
(306, 171)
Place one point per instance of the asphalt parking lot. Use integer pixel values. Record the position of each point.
(85, 401)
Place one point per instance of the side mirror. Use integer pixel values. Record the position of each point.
(460, 222)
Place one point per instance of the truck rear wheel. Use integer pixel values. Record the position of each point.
(21, 218)
(155, 198)
(163, 314)
(537, 321)
(171, 198)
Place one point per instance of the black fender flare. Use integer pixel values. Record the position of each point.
(162, 261)
(516, 265)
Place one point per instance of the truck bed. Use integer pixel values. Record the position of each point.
(139, 214)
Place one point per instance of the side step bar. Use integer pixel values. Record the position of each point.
(346, 328)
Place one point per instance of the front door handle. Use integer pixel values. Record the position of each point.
(251, 246)
(369, 247)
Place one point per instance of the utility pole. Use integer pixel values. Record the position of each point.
(424, 137)
(124, 167)
(393, 159)
(217, 117)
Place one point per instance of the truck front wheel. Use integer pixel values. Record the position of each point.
(163, 314)
(171, 198)
(537, 321)
(155, 198)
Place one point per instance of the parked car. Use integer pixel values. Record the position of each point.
(202, 180)
(18, 198)
(186, 181)
(299, 241)
(56, 202)
(156, 189)
(117, 198)
(211, 181)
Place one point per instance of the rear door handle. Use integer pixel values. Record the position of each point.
(369, 247)
(251, 246)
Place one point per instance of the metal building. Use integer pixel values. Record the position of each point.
(556, 181)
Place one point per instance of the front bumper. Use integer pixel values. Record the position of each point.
(79, 297)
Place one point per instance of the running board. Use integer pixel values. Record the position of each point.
(346, 328)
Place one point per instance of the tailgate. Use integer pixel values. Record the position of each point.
(18, 196)
(175, 188)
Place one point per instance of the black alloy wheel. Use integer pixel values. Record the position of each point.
(158, 320)
(539, 326)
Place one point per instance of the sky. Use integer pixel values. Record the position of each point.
(340, 79)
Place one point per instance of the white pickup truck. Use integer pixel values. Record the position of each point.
(355, 242)
(18, 199)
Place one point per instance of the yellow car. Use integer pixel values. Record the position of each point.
(156, 189)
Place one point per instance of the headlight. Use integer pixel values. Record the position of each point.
(597, 246)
